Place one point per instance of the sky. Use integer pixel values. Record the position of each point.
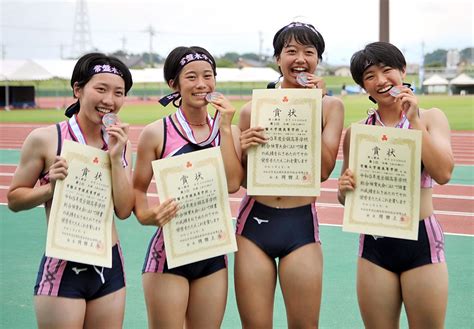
(37, 29)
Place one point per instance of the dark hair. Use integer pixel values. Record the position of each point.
(303, 33)
(173, 65)
(376, 53)
(83, 71)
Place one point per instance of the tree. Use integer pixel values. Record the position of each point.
(251, 56)
(224, 62)
(231, 57)
(436, 58)
(467, 55)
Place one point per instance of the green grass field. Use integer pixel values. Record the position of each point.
(458, 109)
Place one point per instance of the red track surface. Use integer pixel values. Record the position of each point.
(454, 204)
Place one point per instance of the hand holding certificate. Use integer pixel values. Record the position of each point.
(80, 221)
(203, 226)
(290, 163)
(386, 166)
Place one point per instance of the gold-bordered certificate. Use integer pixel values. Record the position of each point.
(80, 221)
(386, 165)
(203, 225)
(290, 162)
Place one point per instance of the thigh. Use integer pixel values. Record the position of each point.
(425, 295)
(106, 311)
(207, 301)
(50, 312)
(379, 295)
(166, 297)
(300, 274)
(255, 280)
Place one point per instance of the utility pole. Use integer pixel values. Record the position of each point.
(384, 21)
(421, 71)
(81, 38)
(124, 42)
(260, 45)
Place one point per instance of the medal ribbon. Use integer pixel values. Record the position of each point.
(212, 122)
(77, 135)
(403, 123)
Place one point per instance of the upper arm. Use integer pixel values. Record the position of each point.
(149, 146)
(333, 122)
(236, 137)
(244, 119)
(34, 153)
(439, 130)
(346, 149)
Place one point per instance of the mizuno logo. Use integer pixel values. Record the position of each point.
(79, 270)
(260, 221)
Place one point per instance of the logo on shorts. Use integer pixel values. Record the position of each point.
(79, 270)
(260, 221)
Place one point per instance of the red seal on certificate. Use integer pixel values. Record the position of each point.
(221, 236)
(109, 119)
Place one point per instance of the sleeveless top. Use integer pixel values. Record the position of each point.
(175, 143)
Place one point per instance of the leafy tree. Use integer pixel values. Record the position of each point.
(224, 62)
(231, 57)
(436, 57)
(467, 54)
(251, 56)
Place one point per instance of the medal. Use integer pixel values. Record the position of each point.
(210, 97)
(109, 119)
(302, 79)
(394, 91)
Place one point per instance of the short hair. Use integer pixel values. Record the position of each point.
(173, 64)
(84, 69)
(305, 34)
(376, 53)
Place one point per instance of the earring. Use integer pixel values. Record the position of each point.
(372, 100)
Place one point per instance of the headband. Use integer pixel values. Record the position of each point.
(105, 68)
(195, 57)
(298, 24)
(185, 60)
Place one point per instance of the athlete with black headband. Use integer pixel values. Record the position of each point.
(391, 271)
(192, 295)
(285, 227)
(70, 294)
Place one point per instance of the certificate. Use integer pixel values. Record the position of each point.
(203, 225)
(290, 162)
(386, 165)
(80, 221)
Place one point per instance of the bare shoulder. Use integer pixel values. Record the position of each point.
(332, 102)
(244, 118)
(432, 113)
(151, 137)
(246, 108)
(42, 137)
(434, 117)
(153, 130)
